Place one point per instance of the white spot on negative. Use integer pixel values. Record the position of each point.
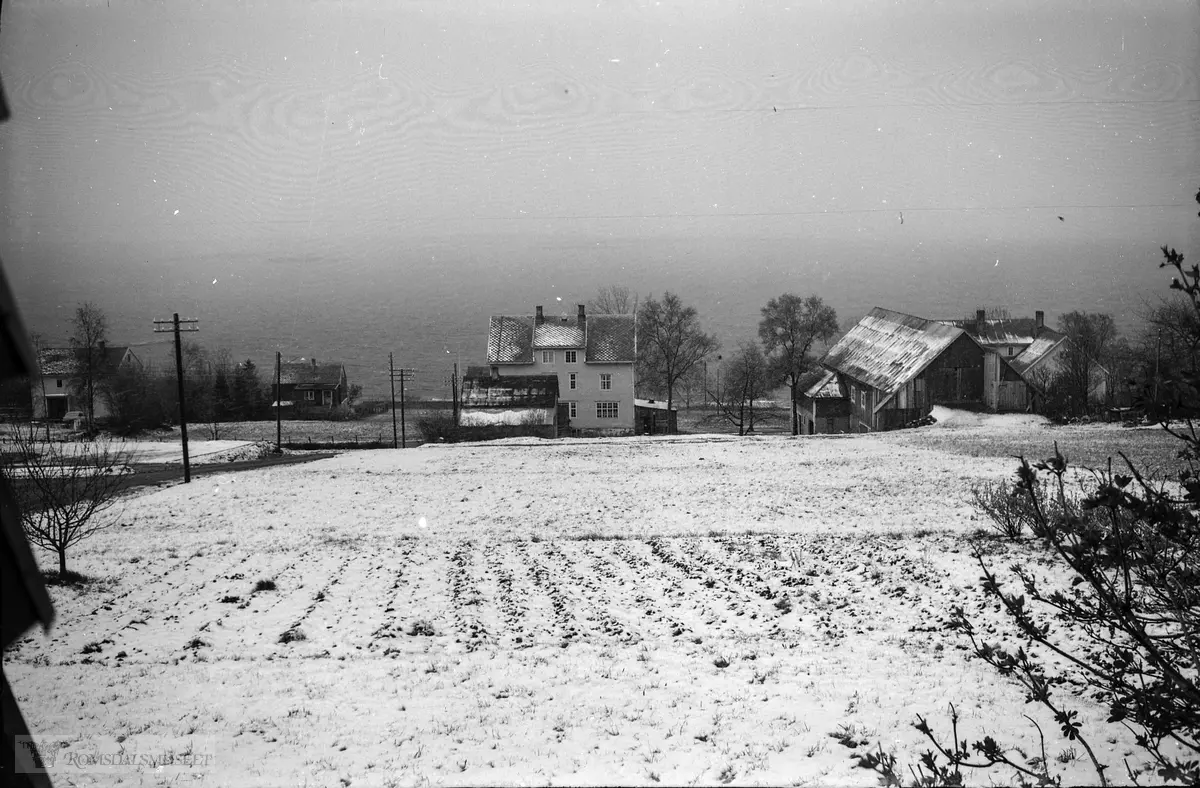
(422, 522)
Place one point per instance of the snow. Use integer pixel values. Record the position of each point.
(584, 595)
(152, 452)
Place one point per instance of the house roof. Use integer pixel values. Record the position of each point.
(605, 338)
(1041, 347)
(886, 349)
(1000, 331)
(611, 338)
(653, 404)
(510, 391)
(821, 384)
(64, 360)
(307, 374)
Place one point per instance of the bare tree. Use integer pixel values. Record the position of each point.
(670, 342)
(63, 490)
(747, 379)
(789, 328)
(90, 332)
(614, 300)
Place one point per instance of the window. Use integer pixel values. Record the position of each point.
(573, 409)
(862, 399)
(1010, 350)
(327, 397)
(547, 356)
(605, 381)
(606, 410)
(571, 381)
(310, 395)
(570, 356)
(58, 383)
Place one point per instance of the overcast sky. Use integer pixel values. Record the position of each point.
(462, 158)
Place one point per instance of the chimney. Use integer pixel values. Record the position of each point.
(582, 320)
(537, 321)
(1039, 319)
(980, 321)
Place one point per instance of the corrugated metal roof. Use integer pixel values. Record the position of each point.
(304, 374)
(605, 338)
(885, 349)
(1041, 347)
(999, 331)
(610, 338)
(510, 391)
(822, 385)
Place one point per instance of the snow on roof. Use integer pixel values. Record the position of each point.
(605, 338)
(822, 384)
(657, 404)
(886, 349)
(65, 361)
(1040, 349)
(999, 331)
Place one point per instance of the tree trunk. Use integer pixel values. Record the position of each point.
(62, 563)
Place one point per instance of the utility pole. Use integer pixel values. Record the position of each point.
(454, 392)
(278, 404)
(402, 374)
(162, 327)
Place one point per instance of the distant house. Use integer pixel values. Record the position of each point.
(592, 357)
(823, 403)
(307, 385)
(895, 367)
(57, 389)
(1035, 355)
(514, 404)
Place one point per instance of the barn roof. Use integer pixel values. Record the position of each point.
(604, 338)
(886, 349)
(510, 391)
(309, 374)
(999, 331)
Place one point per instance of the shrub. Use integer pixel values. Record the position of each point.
(264, 585)
(438, 427)
(422, 628)
(293, 635)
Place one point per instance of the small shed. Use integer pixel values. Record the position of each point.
(823, 405)
(653, 417)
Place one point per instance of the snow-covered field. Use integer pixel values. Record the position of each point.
(625, 611)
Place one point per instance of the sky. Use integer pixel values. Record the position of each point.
(348, 179)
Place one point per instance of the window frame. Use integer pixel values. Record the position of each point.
(572, 383)
(571, 356)
(606, 381)
(602, 409)
(547, 356)
(572, 410)
(310, 396)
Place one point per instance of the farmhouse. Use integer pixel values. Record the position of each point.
(58, 387)
(1035, 355)
(592, 357)
(307, 385)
